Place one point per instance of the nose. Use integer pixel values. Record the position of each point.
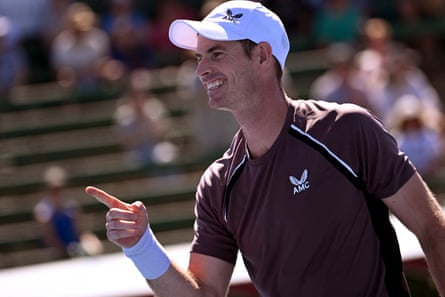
(203, 68)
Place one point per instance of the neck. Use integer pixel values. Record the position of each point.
(263, 125)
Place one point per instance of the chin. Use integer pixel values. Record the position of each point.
(214, 103)
(219, 102)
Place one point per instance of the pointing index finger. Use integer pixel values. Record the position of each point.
(109, 200)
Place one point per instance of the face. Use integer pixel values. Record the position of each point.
(227, 73)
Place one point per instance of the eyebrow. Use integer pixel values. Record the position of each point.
(212, 49)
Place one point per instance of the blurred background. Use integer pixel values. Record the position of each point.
(93, 93)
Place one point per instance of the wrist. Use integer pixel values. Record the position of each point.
(148, 255)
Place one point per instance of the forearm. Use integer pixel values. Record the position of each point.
(434, 250)
(164, 276)
(175, 280)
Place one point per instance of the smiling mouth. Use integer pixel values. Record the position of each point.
(214, 84)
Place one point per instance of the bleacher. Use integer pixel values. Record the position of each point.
(39, 129)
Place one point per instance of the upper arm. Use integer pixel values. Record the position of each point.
(212, 274)
(416, 207)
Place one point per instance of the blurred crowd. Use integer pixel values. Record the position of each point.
(384, 76)
(80, 43)
(85, 44)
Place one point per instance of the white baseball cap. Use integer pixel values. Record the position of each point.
(234, 20)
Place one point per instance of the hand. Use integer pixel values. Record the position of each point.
(125, 223)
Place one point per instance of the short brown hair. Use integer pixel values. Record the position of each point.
(248, 45)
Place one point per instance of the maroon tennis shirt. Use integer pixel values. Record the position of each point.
(302, 227)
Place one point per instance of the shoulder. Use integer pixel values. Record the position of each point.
(315, 112)
(214, 178)
(219, 169)
(323, 105)
(342, 127)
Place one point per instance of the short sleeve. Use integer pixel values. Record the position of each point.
(212, 236)
(376, 155)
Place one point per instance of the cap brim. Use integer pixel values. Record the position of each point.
(184, 33)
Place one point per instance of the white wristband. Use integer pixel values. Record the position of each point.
(148, 256)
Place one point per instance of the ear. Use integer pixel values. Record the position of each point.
(265, 53)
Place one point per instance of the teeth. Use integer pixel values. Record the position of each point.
(214, 85)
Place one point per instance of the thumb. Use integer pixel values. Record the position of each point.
(139, 208)
(109, 200)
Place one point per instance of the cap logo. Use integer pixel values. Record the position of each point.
(232, 18)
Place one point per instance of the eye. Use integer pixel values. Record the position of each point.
(218, 55)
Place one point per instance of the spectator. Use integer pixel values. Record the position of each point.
(28, 18)
(417, 129)
(376, 46)
(340, 82)
(13, 63)
(390, 70)
(59, 217)
(142, 124)
(401, 76)
(127, 29)
(80, 52)
(377, 35)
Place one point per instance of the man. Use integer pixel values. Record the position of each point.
(297, 192)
